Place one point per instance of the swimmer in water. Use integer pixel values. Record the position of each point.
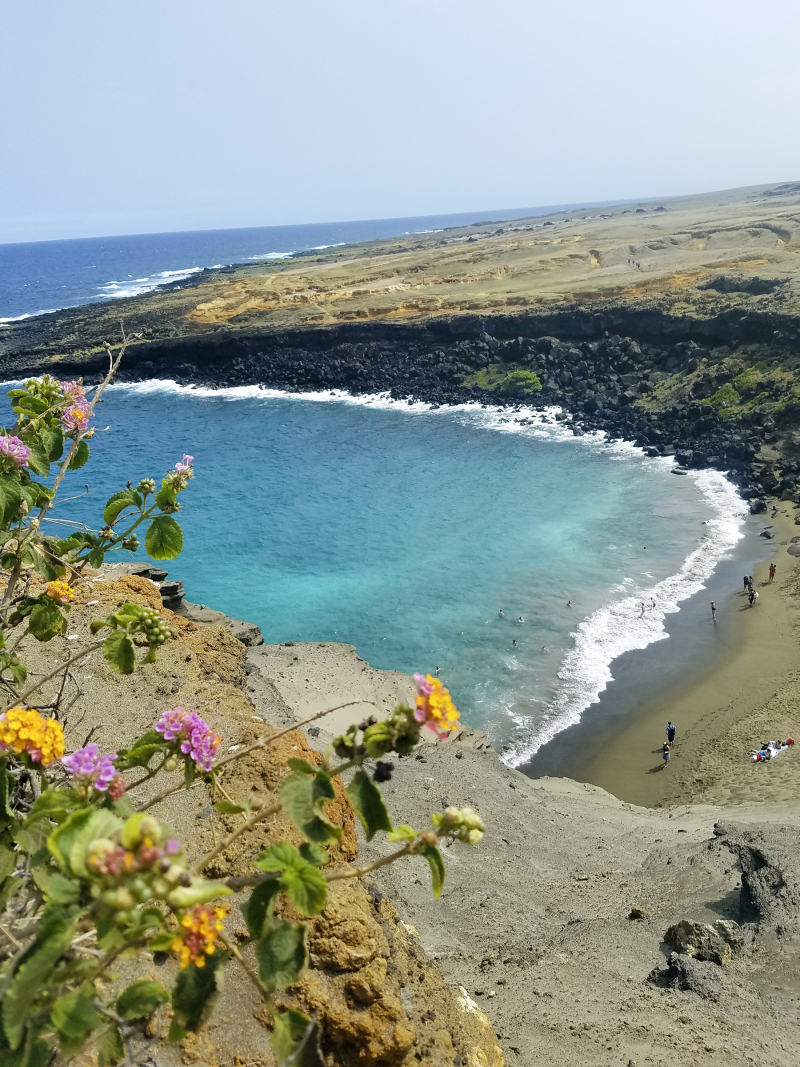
(502, 614)
(520, 619)
(514, 643)
(544, 648)
(569, 603)
(438, 668)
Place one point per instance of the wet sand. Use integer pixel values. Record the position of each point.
(746, 692)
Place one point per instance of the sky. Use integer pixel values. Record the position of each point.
(164, 115)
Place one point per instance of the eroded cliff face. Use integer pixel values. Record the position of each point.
(379, 997)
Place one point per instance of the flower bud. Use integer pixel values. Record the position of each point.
(171, 764)
(125, 899)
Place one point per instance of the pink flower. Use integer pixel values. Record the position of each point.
(185, 465)
(76, 417)
(89, 764)
(14, 450)
(117, 787)
(73, 391)
(194, 736)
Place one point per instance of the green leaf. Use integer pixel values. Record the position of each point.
(305, 887)
(103, 823)
(166, 498)
(288, 1032)
(38, 460)
(434, 858)
(45, 564)
(8, 860)
(227, 807)
(110, 1048)
(301, 765)
(259, 907)
(9, 497)
(141, 998)
(56, 887)
(164, 538)
(61, 840)
(194, 991)
(18, 672)
(118, 651)
(46, 620)
(55, 804)
(141, 752)
(52, 439)
(80, 457)
(302, 798)
(312, 853)
(281, 954)
(7, 784)
(117, 503)
(402, 833)
(278, 857)
(74, 1016)
(368, 804)
(53, 938)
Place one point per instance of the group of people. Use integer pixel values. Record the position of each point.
(752, 594)
(769, 750)
(666, 748)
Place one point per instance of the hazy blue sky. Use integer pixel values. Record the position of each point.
(191, 114)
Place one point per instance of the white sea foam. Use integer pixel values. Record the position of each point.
(611, 630)
(115, 290)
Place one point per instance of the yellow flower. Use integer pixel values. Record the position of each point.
(24, 730)
(199, 928)
(60, 591)
(435, 707)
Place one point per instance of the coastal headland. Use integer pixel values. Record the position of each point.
(674, 324)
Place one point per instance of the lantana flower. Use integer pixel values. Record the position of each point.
(435, 707)
(76, 418)
(463, 824)
(195, 737)
(23, 730)
(198, 931)
(90, 765)
(15, 451)
(60, 591)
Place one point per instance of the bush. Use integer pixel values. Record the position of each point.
(521, 383)
(725, 396)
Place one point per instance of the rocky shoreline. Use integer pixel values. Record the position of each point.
(665, 396)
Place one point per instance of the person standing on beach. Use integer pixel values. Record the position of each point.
(751, 596)
(666, 753)
(772, 569)
(713, 611)
(745, 582)
(670, 733)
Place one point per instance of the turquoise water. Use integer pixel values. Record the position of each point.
(404, 530)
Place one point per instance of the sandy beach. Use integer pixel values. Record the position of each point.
(748, 695)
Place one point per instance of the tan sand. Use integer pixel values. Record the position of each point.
(750, 696)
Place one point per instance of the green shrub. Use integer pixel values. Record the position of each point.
(521, 383)
(724, 396)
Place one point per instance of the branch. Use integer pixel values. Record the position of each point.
(52, 674)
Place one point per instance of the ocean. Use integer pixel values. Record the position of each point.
(405, 530)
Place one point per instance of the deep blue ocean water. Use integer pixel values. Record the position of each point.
(41, 276)
(405, 530)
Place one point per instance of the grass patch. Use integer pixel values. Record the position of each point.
(726, 396)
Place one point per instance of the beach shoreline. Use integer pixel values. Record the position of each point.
(715, 710)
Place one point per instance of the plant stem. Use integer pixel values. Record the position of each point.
(358, 872)
(248, 970)
(52, 674)
(263, 741)
(256, 817)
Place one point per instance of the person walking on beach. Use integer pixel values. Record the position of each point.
(670, 733)
(745, 582)
(713, 611)
(772, 569)
(666, 753)
(751, 596)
